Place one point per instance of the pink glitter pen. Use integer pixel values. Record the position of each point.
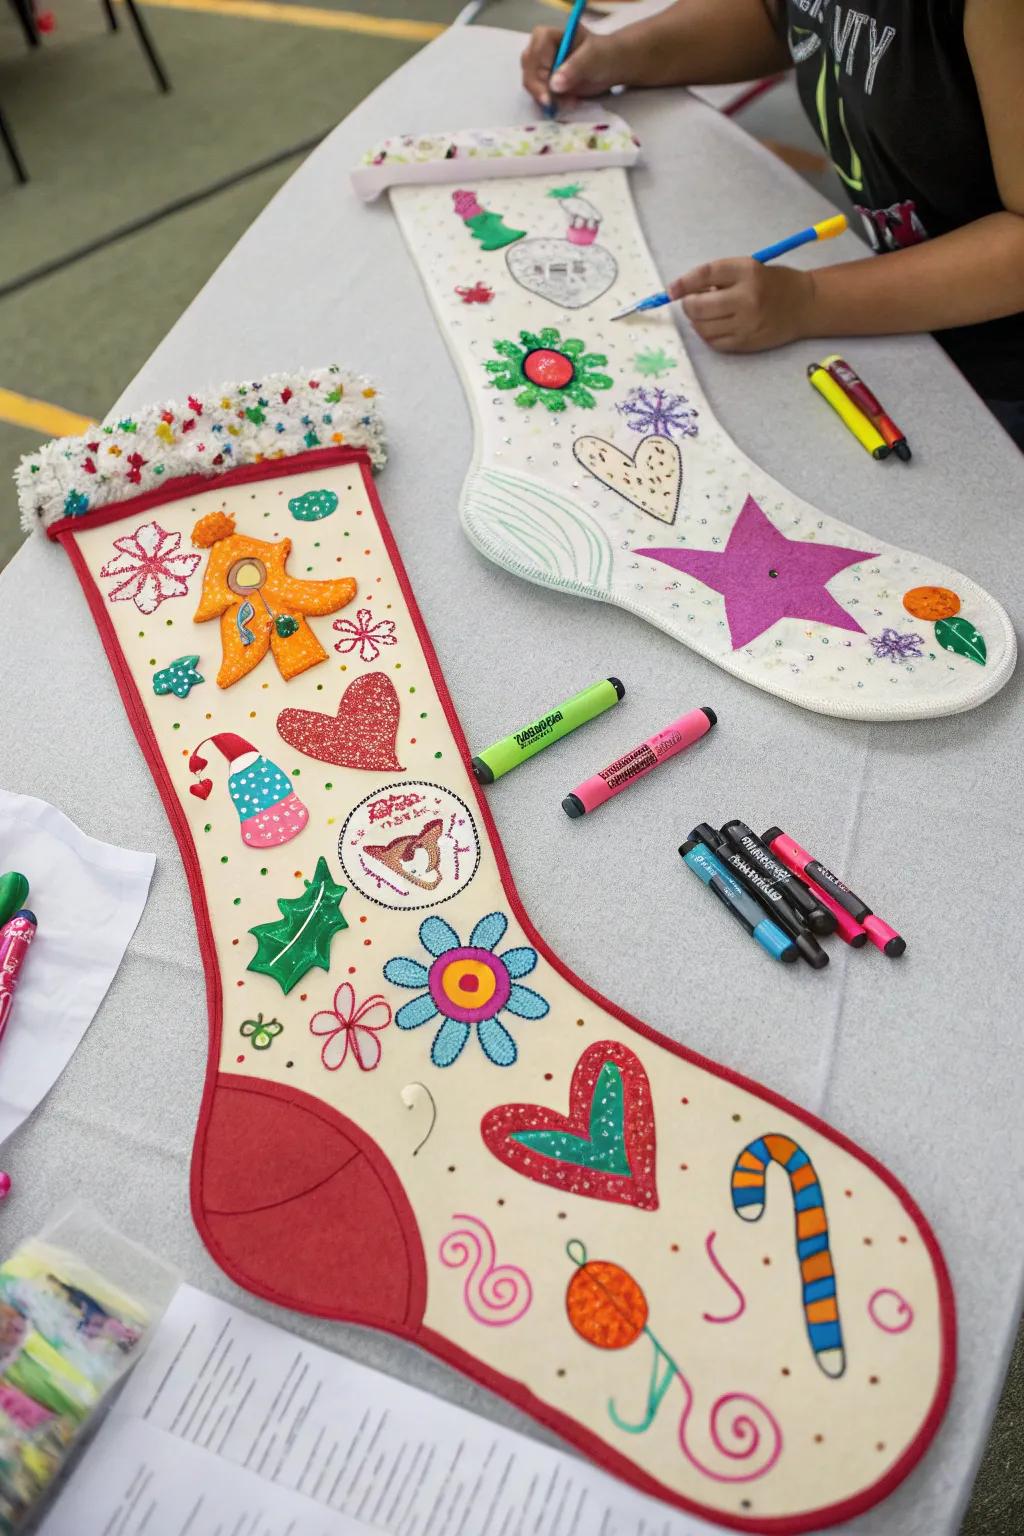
(640, 761)
(15, 939)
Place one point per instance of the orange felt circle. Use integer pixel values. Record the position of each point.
(456, 976)
(605, 1305)
(931, 603)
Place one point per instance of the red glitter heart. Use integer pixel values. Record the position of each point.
(363, 733)
(638, 1187)
(202, 789)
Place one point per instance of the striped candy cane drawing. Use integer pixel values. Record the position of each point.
(820, 1303)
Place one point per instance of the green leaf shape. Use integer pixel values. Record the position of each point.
(572, 190)
(528, 397)
(301, 938)
(605, 1147)
(312, 506)
(960, 636)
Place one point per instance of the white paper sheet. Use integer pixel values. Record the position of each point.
(88, 897)
(226, 1415)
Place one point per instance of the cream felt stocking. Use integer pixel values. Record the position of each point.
(600, 470)
(415, 1117)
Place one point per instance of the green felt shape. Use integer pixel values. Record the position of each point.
(605, 1149)
(179, 678)
(960, 635)
(492, 231)
(301, 937)
(13, 894)
(312, 506)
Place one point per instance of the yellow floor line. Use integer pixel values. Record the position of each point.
(310, 16)
(50, 420)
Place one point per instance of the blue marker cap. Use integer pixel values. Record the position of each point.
(771, 937)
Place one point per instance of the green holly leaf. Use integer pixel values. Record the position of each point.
(301, 937)
(959, 635)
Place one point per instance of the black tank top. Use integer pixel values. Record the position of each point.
(888, 86)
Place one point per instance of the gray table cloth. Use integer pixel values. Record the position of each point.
(918, 1060)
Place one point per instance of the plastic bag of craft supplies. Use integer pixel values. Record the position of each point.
(77, 1305)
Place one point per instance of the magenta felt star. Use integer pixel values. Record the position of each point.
(764, 576)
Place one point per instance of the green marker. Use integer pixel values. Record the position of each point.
(533, 738)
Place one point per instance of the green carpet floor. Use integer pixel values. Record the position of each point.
(104, 148)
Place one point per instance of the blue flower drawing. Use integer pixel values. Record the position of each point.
(467, 985)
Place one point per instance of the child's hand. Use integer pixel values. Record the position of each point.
(588, 71)
(739, 305)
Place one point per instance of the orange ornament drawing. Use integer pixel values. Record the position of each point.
(605, 1305)
(259, 605)
(931, 603)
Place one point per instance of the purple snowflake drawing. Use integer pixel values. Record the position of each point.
(658, 412)
(890, 643)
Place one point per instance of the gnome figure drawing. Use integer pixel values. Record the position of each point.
(572, 271)
(260, 606)
(270, 811)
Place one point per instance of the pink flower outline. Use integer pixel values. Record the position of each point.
(152, 568)
(361, 631)
(346, 1025)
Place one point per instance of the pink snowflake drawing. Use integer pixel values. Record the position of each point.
(151, 566)
(364, 634)
(347, 1024)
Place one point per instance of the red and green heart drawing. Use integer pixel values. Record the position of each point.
(603, 1149)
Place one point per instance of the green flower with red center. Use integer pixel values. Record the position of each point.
(547, 369)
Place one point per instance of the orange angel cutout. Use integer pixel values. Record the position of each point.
(259, 605)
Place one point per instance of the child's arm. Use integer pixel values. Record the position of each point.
(694, 42)
(973, 274)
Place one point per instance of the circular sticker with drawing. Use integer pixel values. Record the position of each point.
(409, 846)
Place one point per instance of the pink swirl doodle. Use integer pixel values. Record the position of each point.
(741, 1299)
(744, 1429)
(490, 1290)
(904, 1311)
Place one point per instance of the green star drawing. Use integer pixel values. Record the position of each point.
(177, 678)
(572, 190)
(653, 362)
(549, 370)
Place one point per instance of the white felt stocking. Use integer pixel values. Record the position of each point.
(599, 469)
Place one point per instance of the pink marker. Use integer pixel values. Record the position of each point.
(642, 760)
(798, 859)
(848, 929)
(15, 938)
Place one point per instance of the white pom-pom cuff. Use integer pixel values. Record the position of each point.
(213, 431)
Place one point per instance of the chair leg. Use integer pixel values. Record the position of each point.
(111, 14)
(26, 16)
(148, 48)
(17, 163)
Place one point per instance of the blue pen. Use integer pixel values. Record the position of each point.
(739, 902)
(826, 230)
(568, 38)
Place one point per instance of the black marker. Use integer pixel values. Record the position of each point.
(766, 892)
(818, 919)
